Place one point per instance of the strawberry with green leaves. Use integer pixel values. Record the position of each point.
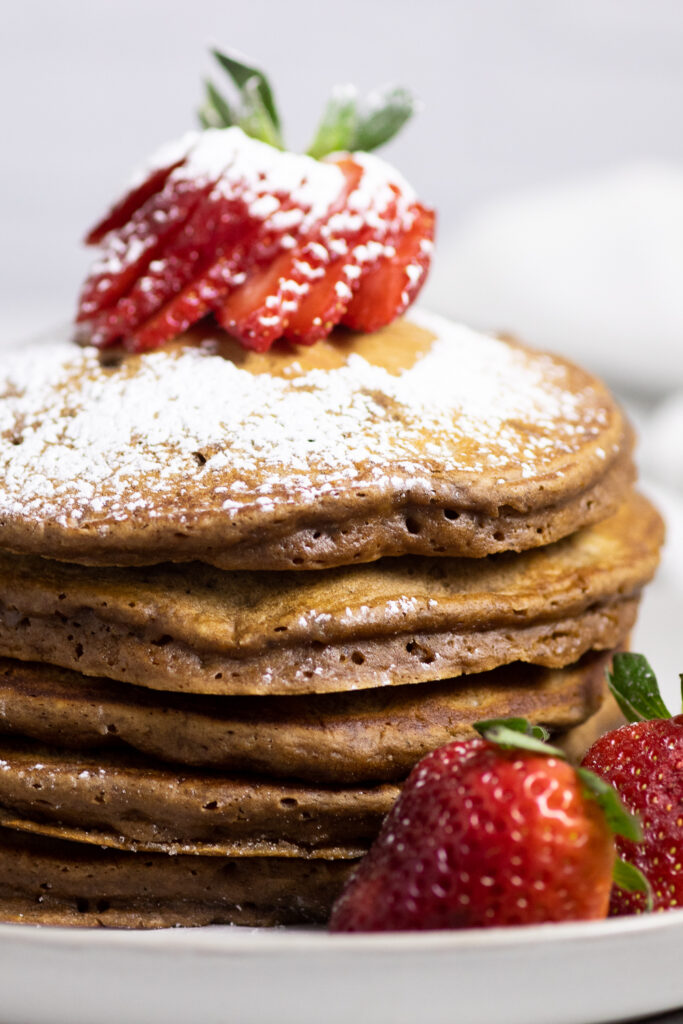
(274, 244)
(643, 761)
(497, 830)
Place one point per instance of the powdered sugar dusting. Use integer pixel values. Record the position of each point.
(188, 429)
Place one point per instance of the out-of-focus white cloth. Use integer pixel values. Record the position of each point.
(662, 442)
(593, 269)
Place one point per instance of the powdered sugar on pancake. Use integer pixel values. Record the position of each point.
(186, 429)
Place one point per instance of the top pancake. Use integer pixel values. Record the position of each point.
(423, 438)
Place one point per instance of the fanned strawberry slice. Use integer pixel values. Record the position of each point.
(146, 184)
(208, 292)
(218, 221)
(156, 224)
(379, 211)
(258, 312)
(329, 295)
(130, 252)
(387, 289)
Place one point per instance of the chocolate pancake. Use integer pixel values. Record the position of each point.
(119, 800)
(53, 881)
(425, 438)
(198, 629)
(339, 738)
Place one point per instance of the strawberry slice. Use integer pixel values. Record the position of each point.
(218, 222)
(130, 252)
(386, 289)
(225, 272)
(143, 186)
(263, 257)
(258, 312)
(329, 296)
(380, 211)
(156, 224)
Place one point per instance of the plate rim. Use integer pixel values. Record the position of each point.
(226, 939)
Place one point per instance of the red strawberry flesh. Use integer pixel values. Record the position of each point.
(146, 184)
(218, 222)
(258, 312)
(389, 287)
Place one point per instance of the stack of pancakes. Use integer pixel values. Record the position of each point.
(241, 595)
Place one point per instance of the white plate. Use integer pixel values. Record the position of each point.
(581, 973)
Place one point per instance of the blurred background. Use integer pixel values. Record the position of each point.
(549, 141)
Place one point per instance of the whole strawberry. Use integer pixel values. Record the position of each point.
(644, 763)
(497, 830)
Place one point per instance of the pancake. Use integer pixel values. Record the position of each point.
(52, 881)
(119, 800)
(342, 739)
(197, 629)
(425, 438)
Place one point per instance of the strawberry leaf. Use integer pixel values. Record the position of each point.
(241, 75)
(517, 734)
(629, 877)
(216, 111)
(633, 685)
(338, 124)
(254, 119)
(620, 820)
(381, 116)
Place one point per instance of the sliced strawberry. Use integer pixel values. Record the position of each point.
(147, 184)
(201, 296)
(218, 222)
(258, 312)
(142, 240)
(329, 295)
(273, 243)
(120, 214)
(155, 226)
(386, 290)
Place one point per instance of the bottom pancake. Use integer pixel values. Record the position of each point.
(50, 881)
(338, 738)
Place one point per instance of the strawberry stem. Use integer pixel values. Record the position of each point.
(351, 122)
(633, 685)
